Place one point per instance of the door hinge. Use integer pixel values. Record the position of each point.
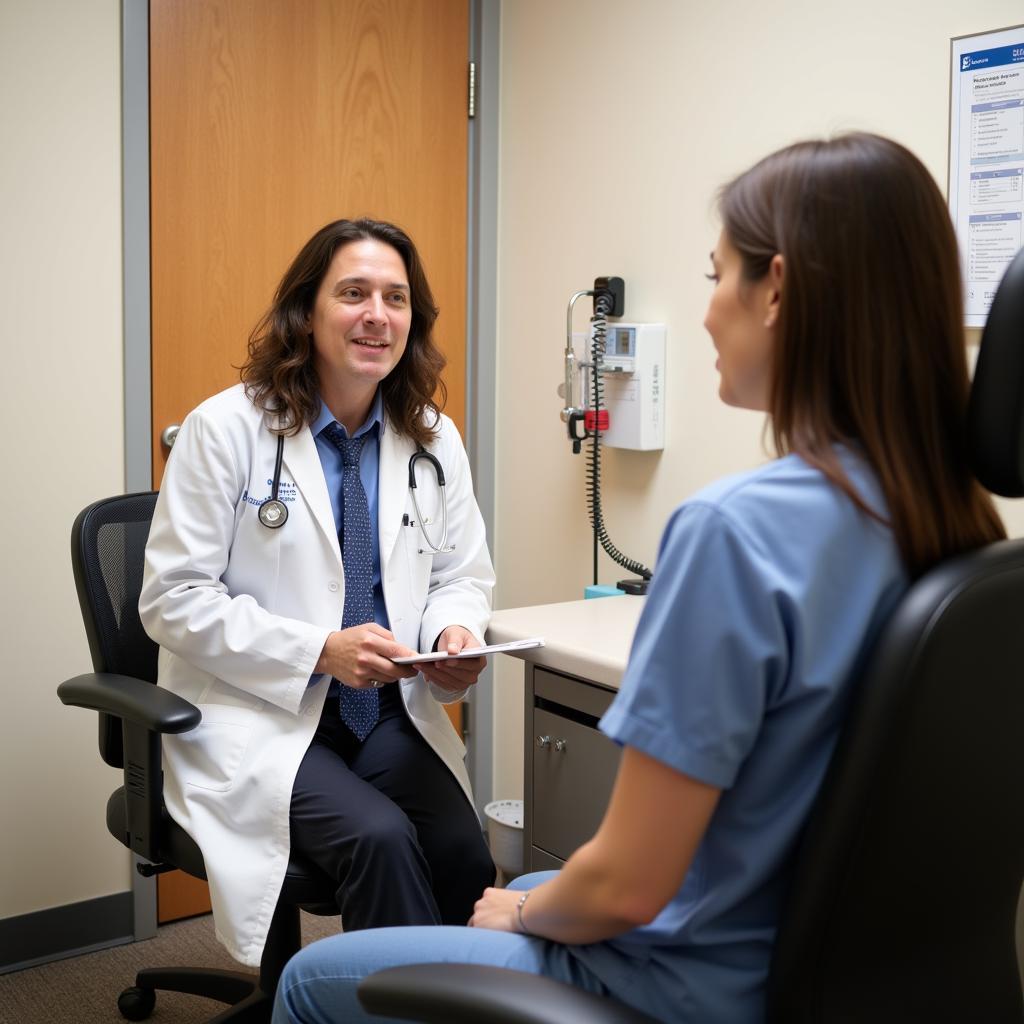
(472, 88)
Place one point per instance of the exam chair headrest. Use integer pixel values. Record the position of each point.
(995, 421)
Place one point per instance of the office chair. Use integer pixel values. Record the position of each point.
(108, 542)
(908, 874)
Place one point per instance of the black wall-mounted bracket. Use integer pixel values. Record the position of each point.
(614, 289)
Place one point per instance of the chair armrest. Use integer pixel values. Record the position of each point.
(472, 993)
(133, 700)
(145, 712)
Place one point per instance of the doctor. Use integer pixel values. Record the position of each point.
(281, 628)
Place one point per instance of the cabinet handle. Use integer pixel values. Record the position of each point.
(560, 745)
(543, 741)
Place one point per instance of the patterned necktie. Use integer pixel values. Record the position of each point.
(359, 708)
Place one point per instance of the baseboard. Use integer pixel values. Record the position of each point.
(36, 938)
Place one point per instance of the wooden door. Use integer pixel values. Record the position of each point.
(268, 119)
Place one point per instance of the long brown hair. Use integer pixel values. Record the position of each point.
(280, 376)
(869, 348)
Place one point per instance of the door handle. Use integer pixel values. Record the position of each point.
(169, 434)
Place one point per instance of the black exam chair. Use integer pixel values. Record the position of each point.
(909, 872)
(107, 546)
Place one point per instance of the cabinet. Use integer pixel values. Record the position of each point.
(569, 765)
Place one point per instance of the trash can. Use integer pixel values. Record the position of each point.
(505, 837)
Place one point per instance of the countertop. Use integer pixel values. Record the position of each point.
(589, 639)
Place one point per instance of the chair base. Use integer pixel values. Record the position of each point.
(249, 1003)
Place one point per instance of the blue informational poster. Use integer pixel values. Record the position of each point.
(986, 159)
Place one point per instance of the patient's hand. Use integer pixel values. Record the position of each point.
(496, 909)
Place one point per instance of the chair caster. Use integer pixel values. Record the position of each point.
(136, 1003)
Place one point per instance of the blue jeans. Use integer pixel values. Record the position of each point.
(319, 984)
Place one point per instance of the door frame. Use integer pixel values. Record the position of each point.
(481, 326)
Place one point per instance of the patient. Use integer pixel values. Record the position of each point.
(836, 309)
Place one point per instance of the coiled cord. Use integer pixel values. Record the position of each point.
(599, 327)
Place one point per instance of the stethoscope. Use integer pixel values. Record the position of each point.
(444, 547)
(273, 513)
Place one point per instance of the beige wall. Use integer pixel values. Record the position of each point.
(60, 280)
(619, 121)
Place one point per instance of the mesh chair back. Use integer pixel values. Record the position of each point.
(108, 543)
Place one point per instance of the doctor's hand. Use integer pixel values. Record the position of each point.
(454, 675)
(361, 656)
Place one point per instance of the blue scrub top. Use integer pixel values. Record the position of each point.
(769, 587)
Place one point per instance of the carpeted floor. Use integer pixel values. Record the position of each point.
(84, 989)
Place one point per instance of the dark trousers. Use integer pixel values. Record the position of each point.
(388, 820)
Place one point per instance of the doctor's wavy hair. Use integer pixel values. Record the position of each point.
(280, 374)
(869, 347)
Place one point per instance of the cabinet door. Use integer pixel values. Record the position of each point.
(573, 773)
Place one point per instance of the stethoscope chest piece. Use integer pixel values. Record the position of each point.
(273, 513)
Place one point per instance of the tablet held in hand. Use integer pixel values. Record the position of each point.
(472, 652)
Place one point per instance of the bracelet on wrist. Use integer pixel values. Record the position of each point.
(519, 912)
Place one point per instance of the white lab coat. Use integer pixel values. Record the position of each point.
(241, 613)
